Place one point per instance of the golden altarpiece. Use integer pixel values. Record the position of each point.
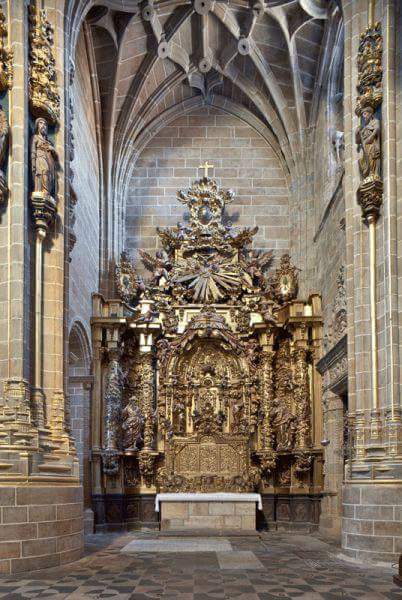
(205, 374)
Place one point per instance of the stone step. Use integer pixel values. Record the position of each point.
(208, 533)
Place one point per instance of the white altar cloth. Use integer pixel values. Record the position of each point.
(206, 497)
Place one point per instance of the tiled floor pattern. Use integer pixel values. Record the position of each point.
(272, 567)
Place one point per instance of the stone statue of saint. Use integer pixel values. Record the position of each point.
(43, 160)
(368, 143)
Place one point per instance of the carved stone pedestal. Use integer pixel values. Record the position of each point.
(42, 526)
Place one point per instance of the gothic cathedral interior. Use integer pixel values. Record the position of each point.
(200, 317)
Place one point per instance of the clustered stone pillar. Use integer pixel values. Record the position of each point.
(372, 495)
(40, 492)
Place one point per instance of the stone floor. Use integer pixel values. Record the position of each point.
(127, 567)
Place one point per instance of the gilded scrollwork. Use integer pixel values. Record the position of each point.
(146, 463)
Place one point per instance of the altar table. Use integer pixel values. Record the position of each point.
(220, 510)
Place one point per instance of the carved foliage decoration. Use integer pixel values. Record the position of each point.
(337, 318)
(43, 93)
(6, 56)
(369, 68)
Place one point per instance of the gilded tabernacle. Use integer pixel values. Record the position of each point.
(206, 369)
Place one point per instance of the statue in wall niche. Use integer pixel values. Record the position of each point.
(132, 425)
(368, 143)
(284, 424)
(44, 160)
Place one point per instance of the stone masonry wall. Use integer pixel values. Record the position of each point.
(372, 522)
(243, 160)
(39, 526)
(84, 266)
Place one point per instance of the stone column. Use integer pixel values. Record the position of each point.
(40, 492)
(372, 497)
(146, 394)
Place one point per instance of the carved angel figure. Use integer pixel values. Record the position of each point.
(159, 266)
(256, 264)
(44, 160)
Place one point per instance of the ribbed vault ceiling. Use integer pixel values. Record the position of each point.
(260, 56)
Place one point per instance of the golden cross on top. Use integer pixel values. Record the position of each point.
(206, 168)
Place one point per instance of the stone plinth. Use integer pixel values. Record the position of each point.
(372, 522)
(208, 511)
(41, 526)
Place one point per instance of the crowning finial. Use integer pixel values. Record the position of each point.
(206, 168)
